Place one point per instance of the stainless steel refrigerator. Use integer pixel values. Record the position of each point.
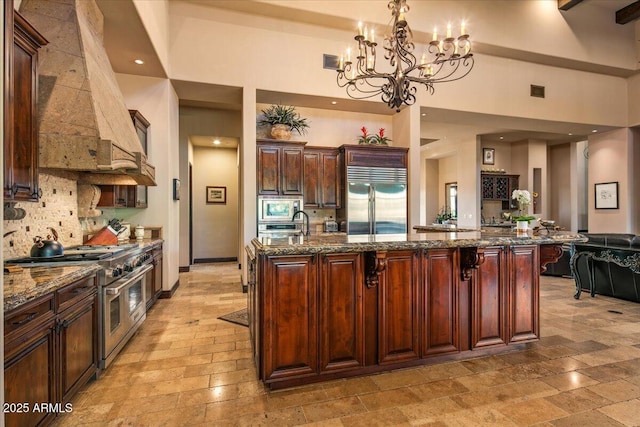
(375, 201)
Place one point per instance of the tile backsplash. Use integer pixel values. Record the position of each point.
(57, 208)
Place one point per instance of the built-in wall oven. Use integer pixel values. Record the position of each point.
(275, 216)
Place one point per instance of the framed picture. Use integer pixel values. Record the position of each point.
(488, 156)
(606, 195)
(176, 189)
(217, 195)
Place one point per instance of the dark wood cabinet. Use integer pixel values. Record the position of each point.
(321, 178)
(323, 316)
(290, 322)
(440, 325)
(280, 168)
(489, 300)
(341, 312)
(524, 291)
(153, 278)
(30, 374)
(51, 350)
(499, 187)
(374, 155)
(22, 42)
(398, 308)
(128, 196)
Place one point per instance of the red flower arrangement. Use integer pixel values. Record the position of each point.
(375, 139)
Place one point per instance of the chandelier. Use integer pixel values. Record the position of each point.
(443, 60)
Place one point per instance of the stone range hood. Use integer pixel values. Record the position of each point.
(84, 124)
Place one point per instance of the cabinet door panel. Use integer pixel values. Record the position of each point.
(268, 171)
(312, 178)
(489, 302)
(29, 376)
(398, 308)
(78, 347)
(292, 171)
(290, 320)
(524, 321)
(440, 334)
(330, 181)
(341, 315)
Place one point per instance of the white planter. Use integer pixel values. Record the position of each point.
(522, 225)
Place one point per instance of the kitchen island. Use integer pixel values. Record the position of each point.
(328, 307)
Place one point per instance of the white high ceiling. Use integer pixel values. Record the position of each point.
(126, 40)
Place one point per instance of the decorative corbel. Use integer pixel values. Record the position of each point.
(470, 259)
(549, 254)
(376, 262)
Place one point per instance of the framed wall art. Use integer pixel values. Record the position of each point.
(488, 156)
(606, 195)
(216, 195)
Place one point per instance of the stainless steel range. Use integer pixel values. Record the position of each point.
(121, 289)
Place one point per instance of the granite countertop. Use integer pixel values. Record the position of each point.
(380, 242)
(30, 283)
(440, 228)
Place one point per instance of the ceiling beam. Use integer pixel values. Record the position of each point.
(628, 14)
(567, 4)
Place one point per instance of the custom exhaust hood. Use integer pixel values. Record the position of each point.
(84, 124)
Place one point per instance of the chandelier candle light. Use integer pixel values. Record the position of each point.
(443, 60)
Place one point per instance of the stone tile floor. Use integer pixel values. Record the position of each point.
(187, 368)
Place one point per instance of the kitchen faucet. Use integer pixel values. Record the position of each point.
(307, 220)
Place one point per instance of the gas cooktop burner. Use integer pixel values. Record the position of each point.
(77, 253)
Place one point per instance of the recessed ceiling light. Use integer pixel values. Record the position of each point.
(502, 137)
(570, 134)
(139, 61)
(424, 114)
(334, 102)
(216, 141)
(594, 131)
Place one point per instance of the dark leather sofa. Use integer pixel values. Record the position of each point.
(607, 264)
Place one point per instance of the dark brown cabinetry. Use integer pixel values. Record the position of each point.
(398, 308)
(153, 278)
(128, 196)
(331, 315)
(290, 317)
(524, 291)
(341, 310)
(22, 42)
(321, 178)
(280, 168)
(440, 333)
(500, 187)
(489, 300)
(374, 156)
(51, 350)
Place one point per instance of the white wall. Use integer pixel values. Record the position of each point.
(560, 206)
(215, 226)
(610, 160)
(158, 103)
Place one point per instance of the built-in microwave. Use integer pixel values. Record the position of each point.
(279, 209)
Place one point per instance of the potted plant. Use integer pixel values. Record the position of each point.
(373, 139)
(283, 119)
(523, 197)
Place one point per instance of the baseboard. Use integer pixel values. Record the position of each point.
(184, 269)
(168, 294)
(210, 260)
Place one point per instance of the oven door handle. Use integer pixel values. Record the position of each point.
(116, 289)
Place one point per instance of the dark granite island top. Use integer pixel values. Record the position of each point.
(389, 242)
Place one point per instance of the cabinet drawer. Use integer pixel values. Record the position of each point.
(69, 295)
(23, 318)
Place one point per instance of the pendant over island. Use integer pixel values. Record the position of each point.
(327, 307)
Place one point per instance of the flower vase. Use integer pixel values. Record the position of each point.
(522, 225)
